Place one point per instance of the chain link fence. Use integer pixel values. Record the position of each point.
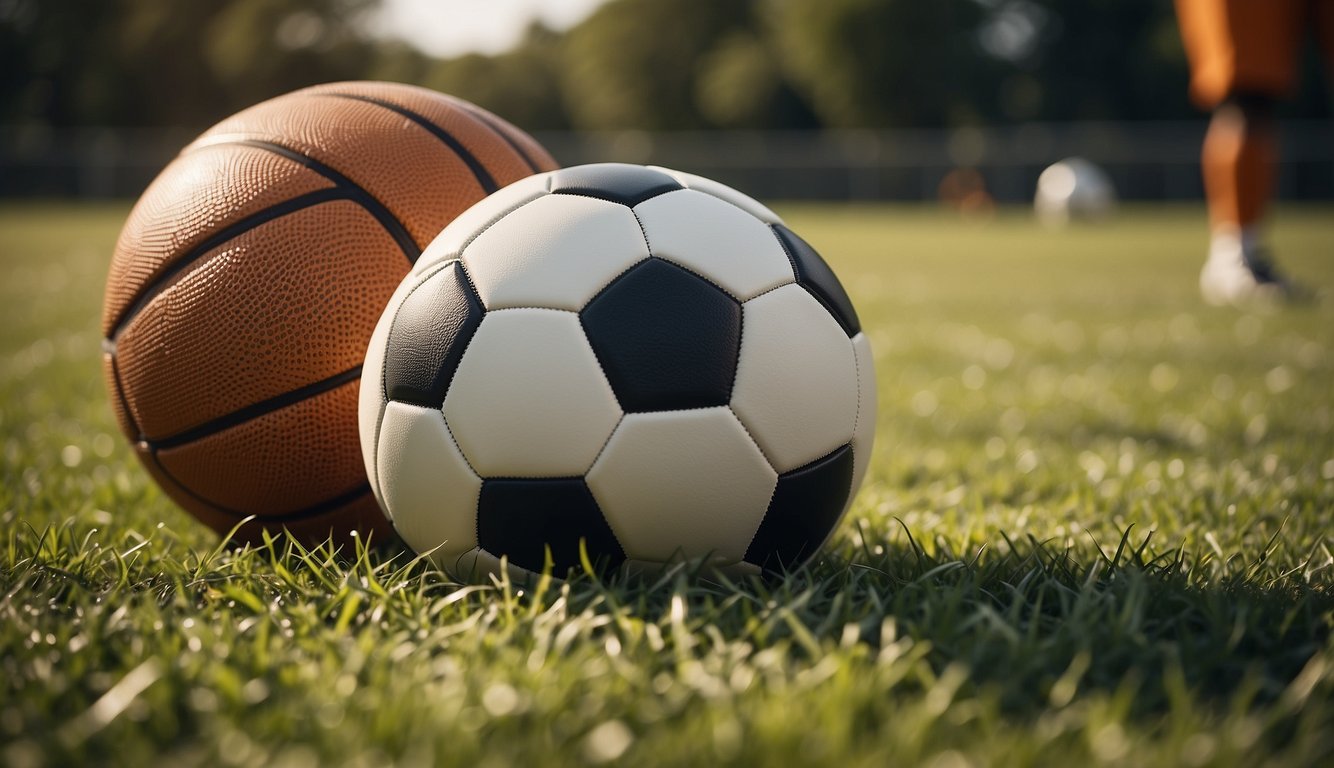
(1147, 160)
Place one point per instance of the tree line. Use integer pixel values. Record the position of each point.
(633, 64)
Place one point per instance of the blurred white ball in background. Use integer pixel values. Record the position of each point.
(1074, 189)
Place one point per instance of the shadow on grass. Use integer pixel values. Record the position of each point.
(1028, 620)
(1025, 619)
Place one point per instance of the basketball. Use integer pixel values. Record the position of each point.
(249, 276)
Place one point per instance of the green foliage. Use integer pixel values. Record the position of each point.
(632, 64)
(874, 63)
(262, 48)
(1095, 531)
(522, 85)
(1106, 60)
(878, 63)
(146, 62)
(741, 85)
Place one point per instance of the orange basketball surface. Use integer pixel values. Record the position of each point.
(249, 276)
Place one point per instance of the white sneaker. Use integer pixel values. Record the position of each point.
(1236, 275)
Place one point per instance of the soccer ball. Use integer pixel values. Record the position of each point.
(621, 366)
(1073, 189)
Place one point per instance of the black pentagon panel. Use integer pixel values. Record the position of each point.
(618, 182)
(818, 279)
(430, 332)
(522, 518)
(667, 339)
(804, 509)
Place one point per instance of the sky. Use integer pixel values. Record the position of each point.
(448, 28)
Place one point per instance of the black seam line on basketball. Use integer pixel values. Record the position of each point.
(321, 507)
(483, 176)
(152, 456)
(354, 191)
(305, 513)
(124, 401)
(254, 411)
(489, 121)
(179, 268)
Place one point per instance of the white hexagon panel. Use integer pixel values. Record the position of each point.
(429, 492)
(683, 484)
(723, 192)
(556, 252)
(863, 435)
(716, 240)
(796, 379)
(528, 398)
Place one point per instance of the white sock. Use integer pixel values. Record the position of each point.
(1230, 242)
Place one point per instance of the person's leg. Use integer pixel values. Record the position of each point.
(1242, 55)
(1239, 160)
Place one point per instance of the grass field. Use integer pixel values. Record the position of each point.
(1096, 530)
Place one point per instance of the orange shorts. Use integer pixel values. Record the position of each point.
(1250, 45)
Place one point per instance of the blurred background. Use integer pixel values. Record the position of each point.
(791, 99)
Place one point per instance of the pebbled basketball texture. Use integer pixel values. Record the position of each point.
(248, 279)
